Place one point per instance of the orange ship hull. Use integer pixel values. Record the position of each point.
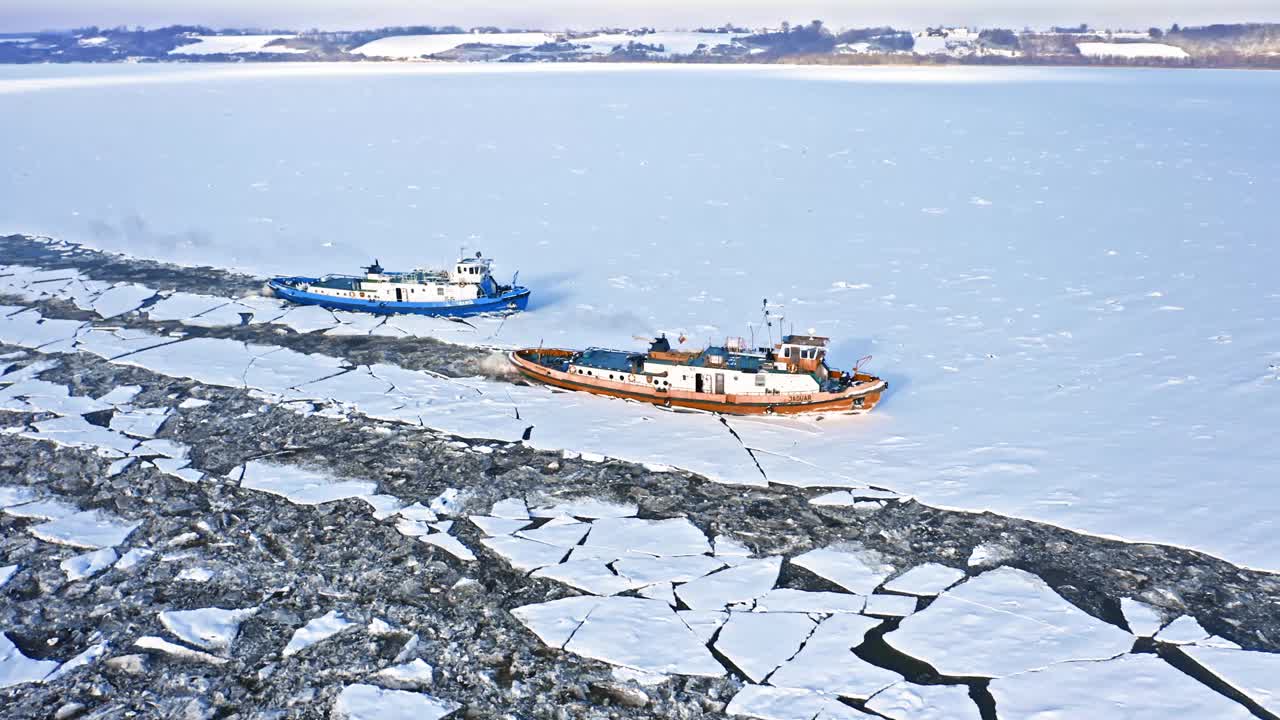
(858, 399)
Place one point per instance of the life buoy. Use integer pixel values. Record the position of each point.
(631, 378)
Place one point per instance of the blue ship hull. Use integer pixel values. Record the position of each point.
(514, 300)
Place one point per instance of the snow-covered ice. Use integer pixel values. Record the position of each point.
(524, 554)
(85, 529)
(1023, 312)
(1132, 50)
(890, 605)
(1143, 619)
(233, 44)
(635, 536)
(1132, 687)
(414, 672)
(644, 635)
(159, 644)
(1184, 630)
(775, 703)
(1004, 621)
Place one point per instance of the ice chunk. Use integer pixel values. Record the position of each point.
(151, 642)
(587, 508)
(307, 319)
(139, 422)
(587, 575)
(194, 574)
(497, 525)
(648, 570)
(801, 601)
(11, 495)
(741, 583)
(121, 299)
(704, 623)
(88, 656)
(524, 554)
(134, 558)
(418, 512)
(86, 529)
(827, 662)
(75, 431)
(511, 509)
(47, 509)
(183, 305)
(676, 536)
(414, 672)
(1182, 631)
(447, 503)
(853, 569)
(757, 643)
(16, 668)
(773, 703)
(7, 572)
(1143, 619)
(561, 535)
(556, 621)
(852, 498)
(449, 544)
(890, 605)
(1255, 675)
(368, 702)
(908, 701)
(643, 635)
(88, 564)
(1131, 687)
(925, 580)
(726, 546)
(1002, 622)
(988, 555)
(317, 630)
(209, 628)
(30, 330)
(122, 395)
(302, 486)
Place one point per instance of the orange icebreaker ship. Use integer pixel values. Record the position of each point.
(790, 378)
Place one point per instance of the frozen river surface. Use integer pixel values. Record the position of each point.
(1067, 276)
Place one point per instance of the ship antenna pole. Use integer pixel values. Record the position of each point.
(764, 304)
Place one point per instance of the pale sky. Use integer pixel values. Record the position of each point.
(25, 15)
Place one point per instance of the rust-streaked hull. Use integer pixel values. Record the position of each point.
(858, 399)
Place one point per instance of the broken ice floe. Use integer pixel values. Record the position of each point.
(827, 663)
(1143, 620)
(86, 565)
(1182, 631)
(317, 630)
(908, 701)
(416, 672)
(208, 628)
(16, 668)
(369, 702)
(299, 485)
(1002, 622)
(852, 568)
(159, 644)
(1256, 675)
(757, 643)
(774, 703)
(1132, 687)
(742, 583)
(86, 529)
(925, 580)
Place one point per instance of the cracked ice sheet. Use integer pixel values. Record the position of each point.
(827, 663)
(644, 635)
(302, 486)
(90, 529)
(741, 583)
(1255, 675)
(771, 703)
(182, 306)
(75, 431)
(1131, 687)
(632, 536)
(208, 628)
(16, 668)
(369, 702)
(213, 361)
(29, 329)
(907, 701)
(307, 318)
(121, 299)
(638, 432)
(49, 397)
(757, 643)
(1002, 622)
(110, 344)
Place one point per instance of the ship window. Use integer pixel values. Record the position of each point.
(760, 378)
(440, 291)
(786, 352)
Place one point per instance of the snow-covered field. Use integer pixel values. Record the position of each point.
(1066, 275)
(1131, 50)
(232, 44)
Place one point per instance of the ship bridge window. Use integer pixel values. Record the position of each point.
(786, 352)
